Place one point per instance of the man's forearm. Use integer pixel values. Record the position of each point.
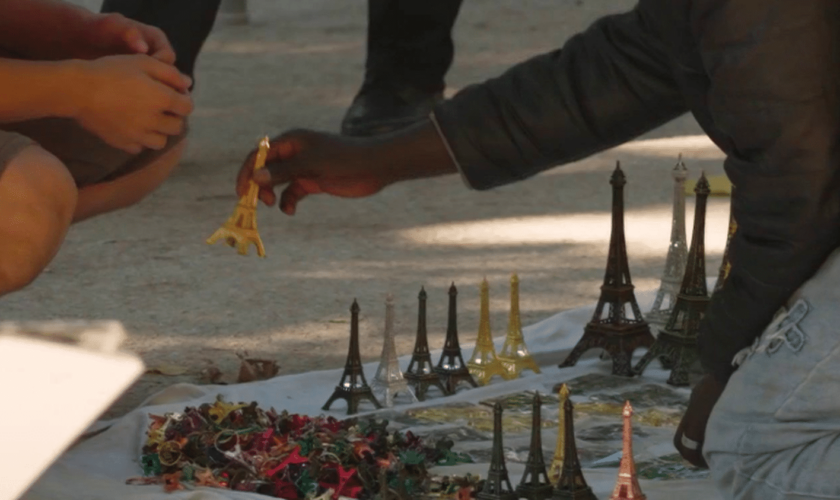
(606, 86)
(42, 29)
(36, 89)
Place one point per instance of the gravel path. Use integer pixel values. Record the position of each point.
(298, 65)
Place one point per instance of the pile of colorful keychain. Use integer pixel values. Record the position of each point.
(242, 447)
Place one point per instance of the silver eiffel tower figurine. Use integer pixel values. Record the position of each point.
(675, 261)
(389, 379)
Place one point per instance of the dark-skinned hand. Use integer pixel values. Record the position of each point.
(704, 396)
(304, 162)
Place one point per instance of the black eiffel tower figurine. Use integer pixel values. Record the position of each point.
(421, 372)
(353, 387)
(451, 367)
(497, 486)
(612, 330)
(535, 484)
(726, 263)
(676, 345)
(571, 485)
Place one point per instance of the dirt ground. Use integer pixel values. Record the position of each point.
(298, 64)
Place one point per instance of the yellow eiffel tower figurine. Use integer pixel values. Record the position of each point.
(484, 364)
(514, 354)
(559, 452)
(240, 230)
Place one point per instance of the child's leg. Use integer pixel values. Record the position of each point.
(108, 179)
(37, 202)
(129, 189)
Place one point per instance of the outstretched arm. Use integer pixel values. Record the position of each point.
(54, 30)
(606, 86)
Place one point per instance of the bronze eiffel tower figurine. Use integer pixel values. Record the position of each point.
(497, 486)
(535, 484)
(612, 330)
(421, 372)
(726, 264)
(676, 344)
(571, 485)
(674, 270)
(240, 230)
(353, 387)
(484, 364)
(627, 487)
(451, 367)
(514, 354)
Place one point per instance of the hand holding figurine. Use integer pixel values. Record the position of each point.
(308, 162)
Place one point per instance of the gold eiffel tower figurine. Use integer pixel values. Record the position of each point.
(514, 354)
(240, 230)
(484, 364)
(559, 451)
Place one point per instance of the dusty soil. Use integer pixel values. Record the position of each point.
(298, 64)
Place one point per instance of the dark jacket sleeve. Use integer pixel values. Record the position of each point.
(606, 86)
(773, 72)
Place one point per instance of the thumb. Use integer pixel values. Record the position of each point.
(135, 41)
(283, 162)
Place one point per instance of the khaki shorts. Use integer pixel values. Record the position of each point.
(87, 157)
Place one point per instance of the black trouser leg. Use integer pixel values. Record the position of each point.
(187, 23)
(410, 41)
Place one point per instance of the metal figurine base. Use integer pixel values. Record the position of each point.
(535, 484)
(389, 380)
(669, 287)
(614, 332)
(353, 387)
(556, 468)
(451, 367)
(514, 355)
(484, 365)
(571, 485)
(627, 487)
(497, 486)
(421, 374)
(676, 345)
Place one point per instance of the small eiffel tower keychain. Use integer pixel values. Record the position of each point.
(240, 230)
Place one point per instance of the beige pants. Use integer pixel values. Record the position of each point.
(89, 159)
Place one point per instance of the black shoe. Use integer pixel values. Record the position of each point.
(382, 107)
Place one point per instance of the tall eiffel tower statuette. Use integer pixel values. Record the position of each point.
(497, 486)
(675, 260)
(627, 487)
(676, 344)
(421, 373)
(514, 354)
(571, 485)
(614, 332)
(389, 379)
(451, 367)
(556, 468)
(726, 264)
(484, 364)
(353, 387)
(535, 484)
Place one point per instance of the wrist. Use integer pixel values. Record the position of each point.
(72, 87)
(416, 152)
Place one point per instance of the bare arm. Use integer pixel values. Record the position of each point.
(35, 89)
(43, 29)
